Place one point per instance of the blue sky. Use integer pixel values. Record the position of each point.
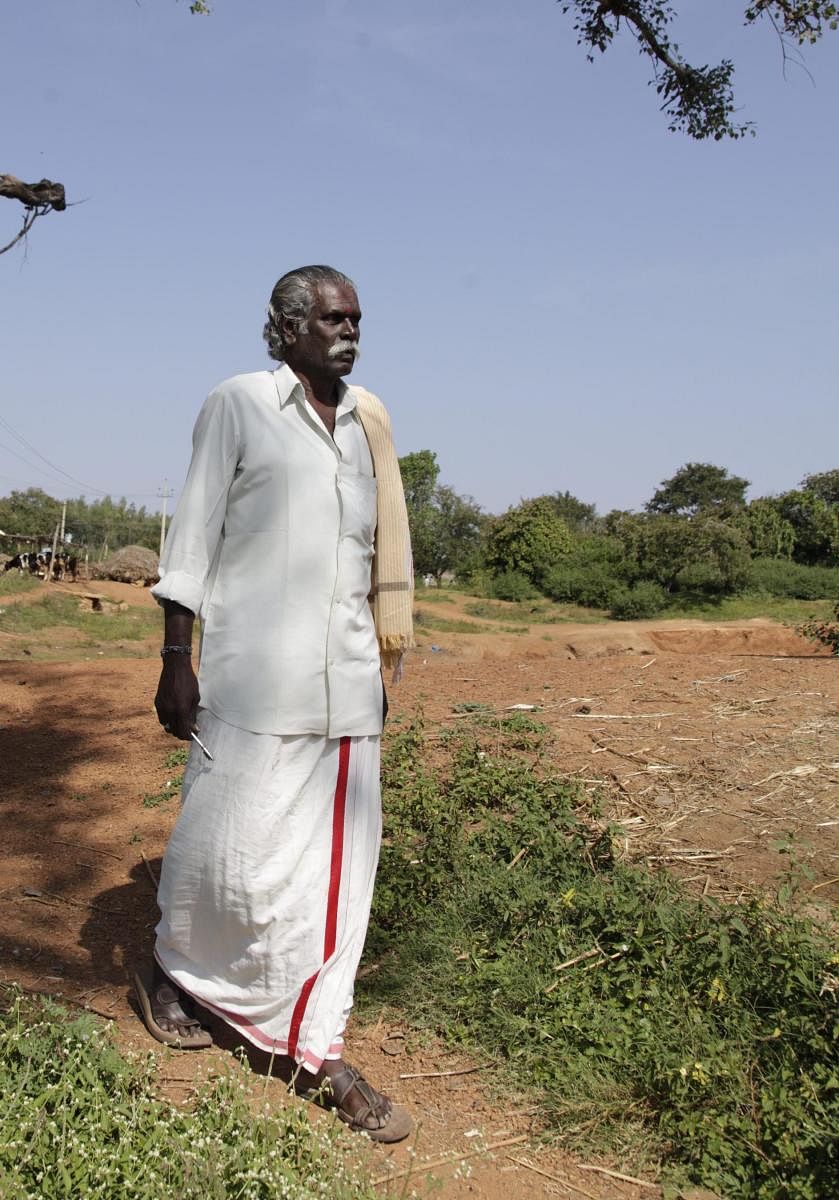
(557, 292)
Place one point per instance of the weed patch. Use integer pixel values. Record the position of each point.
(172, 786)
(12, 583)
(79, 1119)
(665, 1028)
(131, 625)
(432, 623)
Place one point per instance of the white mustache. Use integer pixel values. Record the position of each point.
(344, 347)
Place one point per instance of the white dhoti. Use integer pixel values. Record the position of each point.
(267, 882)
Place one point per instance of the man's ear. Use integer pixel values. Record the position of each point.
(290, 329)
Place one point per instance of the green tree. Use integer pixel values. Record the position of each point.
(31, 514)
(449, 535)
(577, 515)
(699, 554)
(699, 487)
(116, 522)
(768, 532)
(445, 527)
(529, 539)
(825, 485)
(816, 526)
(419, 472)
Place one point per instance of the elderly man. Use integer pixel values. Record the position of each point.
(291, 541)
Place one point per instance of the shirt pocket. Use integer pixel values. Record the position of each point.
(358, 505)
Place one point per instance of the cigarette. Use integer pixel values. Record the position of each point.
(197, 739)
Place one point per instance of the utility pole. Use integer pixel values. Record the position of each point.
(164, 493)
(63, 522)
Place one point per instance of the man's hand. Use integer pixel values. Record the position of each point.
(177, 696)
(177, 693)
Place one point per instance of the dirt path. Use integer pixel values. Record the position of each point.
(712, 746)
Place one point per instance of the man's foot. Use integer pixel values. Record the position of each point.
(344, 1089)
(168, 1013)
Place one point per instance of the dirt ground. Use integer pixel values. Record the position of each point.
(712, 746)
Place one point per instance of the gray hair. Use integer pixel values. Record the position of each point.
(292, 299)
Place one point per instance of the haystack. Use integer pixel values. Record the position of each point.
(131, 564)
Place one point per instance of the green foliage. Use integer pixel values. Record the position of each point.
(589, 575)
(700, 555)
(696, 100)
(654, 1024)
(419, 472)
(779, 577)
(445, 527)
(699, 488)
(92, 524)
(824, 484)
(643, 600)
(816, 526)
(577, 515)
(529, 539)
(768, 532)
(511, 585)
(79, 1119)
(591, 585)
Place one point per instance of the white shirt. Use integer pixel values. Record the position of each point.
(272, 543)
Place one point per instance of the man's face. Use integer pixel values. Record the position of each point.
(327, 341)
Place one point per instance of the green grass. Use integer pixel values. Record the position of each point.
(744, 608)
(430, 622)
(79, 1119)
(730, 608)
(689, 1036)
(56, 611)
(12, 583)
(533, 612)
(172, 787)
(433, 595)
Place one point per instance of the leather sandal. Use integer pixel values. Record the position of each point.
(393, 1121)
(171, 1004)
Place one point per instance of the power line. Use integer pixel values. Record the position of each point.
(80, 483)
(34, 450)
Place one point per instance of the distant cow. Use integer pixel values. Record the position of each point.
(23, 562)
(39, 564)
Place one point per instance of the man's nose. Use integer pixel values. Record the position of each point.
(349, 328)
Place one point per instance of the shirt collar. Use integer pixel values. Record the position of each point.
(289, 387)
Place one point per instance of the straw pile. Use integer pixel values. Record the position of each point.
(131, 564)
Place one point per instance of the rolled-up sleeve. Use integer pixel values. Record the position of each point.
(193, 538)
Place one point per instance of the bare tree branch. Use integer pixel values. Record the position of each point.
(36, 198)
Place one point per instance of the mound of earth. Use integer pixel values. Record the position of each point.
(131, 564)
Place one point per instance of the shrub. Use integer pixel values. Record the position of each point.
(643, 599)
(591, 585)
(700, 1032)
(511, 585)
(780, 577)
(529, 539)
(80, 1120)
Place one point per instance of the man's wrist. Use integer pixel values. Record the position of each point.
(174, 649)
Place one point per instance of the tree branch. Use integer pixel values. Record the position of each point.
(698, 100)
(36, 198)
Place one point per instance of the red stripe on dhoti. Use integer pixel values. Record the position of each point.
(336, 859)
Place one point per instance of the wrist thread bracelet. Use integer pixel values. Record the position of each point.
(175, 650)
